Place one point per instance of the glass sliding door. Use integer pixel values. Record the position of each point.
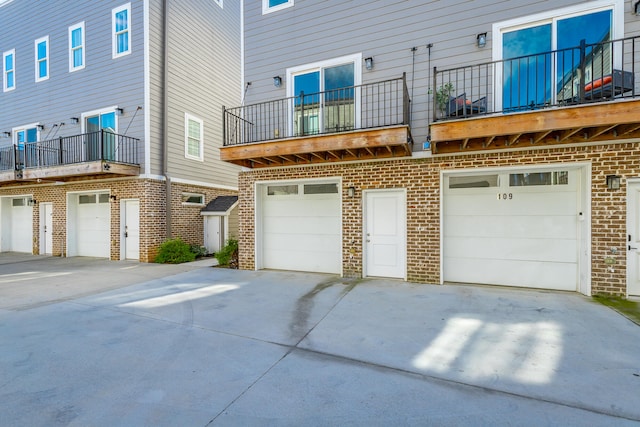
(527, 68)
(307, 103)
(100, 139)
(339, 107)
(324, 100)
(534, 77)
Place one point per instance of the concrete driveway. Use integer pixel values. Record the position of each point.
(218, 347)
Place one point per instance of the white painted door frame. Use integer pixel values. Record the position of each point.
(46, 228)
(633, 237)
(390, 242)
(584, 222)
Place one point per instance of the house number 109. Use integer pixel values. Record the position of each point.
(505, 196)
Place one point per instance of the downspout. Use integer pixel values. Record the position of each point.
(165, 113)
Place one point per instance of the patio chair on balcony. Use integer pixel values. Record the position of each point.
(614, 84)
(461, 106)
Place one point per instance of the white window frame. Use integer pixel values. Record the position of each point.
(106, 110)
(114, 34)
(187, 195)
(5, 86)
(267, 9)
(37, 60)
(617, 30)
(72, 28)
(188, 117)
(356, 59)
(219, 3)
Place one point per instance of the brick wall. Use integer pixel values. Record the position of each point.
(421, 179)
(187, 222)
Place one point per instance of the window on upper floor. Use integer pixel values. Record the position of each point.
(193, 137)
(326, 96)
(9, 70)
(121, 25)
(76, 47)
(42, 58)
(269, 6)
(541, 53)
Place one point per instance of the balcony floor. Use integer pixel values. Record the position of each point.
(615, 120)
(355, 145)
(65, 173)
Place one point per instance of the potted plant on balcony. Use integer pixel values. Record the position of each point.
(443, 95)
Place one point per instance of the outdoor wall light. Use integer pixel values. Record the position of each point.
(613, 182)
(32, 202)
(7, 134)
(636, 9)
(351, 192)
(119, 111)
(75, 120)
(368, 63)
(113, 197)
(481, 39)
(277, 81)
(40, 127)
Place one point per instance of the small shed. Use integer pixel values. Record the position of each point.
(220, 222)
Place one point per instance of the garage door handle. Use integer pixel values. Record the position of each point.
(631, 247)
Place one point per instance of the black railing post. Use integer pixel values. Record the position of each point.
(224, 127)
(301, 112)
(581, 68)
(101, 143)
(15, 157)
(433, 94)
(60, 157)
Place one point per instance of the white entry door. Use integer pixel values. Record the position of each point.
(385, 233)
(213, 233)
(633, 239)
(131, 229)
(46, 228)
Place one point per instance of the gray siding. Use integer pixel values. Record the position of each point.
(204, 69)
(104, 82)
(386, 30)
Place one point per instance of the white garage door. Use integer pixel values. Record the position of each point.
(512, 228)
(301, 227)
(92, 224)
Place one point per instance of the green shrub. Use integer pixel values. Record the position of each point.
(198, 250)
(228, 254)
(174, 251)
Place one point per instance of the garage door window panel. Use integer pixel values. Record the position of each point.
(282, 190)
(474, 181)
(538, 178)
(321, 189)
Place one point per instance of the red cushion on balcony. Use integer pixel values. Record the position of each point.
(599, 82)
(459, 101)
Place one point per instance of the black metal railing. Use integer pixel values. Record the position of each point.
(93, 146)
(587, 73)
(366, 106)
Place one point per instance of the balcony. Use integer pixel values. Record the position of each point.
(584, 94)
(101, 153)
(361, 122)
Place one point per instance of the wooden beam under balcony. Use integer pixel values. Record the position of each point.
(619, 119)
(87, 169)
(354, 145)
